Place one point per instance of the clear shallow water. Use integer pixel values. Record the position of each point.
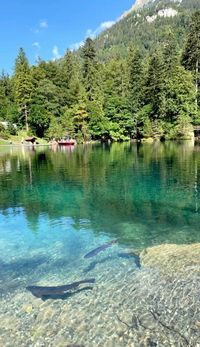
(57, 205)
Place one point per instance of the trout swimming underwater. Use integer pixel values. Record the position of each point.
(99, 249)
(40, 291)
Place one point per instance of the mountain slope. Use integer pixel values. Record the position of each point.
(137, 5)
(146, 25)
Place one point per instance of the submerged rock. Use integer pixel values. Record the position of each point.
(27, 308)
(166, 296)
(173, 260)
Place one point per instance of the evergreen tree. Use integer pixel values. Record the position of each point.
(191, 54)
(45, 105)
(118, 122)
(8, 109)
(70, 80)
(136, 84)
(93, 86)
(91, 73)
(180, 96)
(4, 95)
(170, 54)
(75, 120)
(88, 99)
(155, 86)
(22, 86)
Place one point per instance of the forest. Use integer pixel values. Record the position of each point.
(137, 96)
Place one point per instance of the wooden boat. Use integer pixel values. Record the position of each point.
(67, 142)
(30, 139)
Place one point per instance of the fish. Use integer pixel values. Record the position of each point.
(40, 291)
(129, 256)
(99, 249)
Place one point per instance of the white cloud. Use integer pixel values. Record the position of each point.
(103, 26)
(55, 53)
(43, 24)
(76, 45)
(93, 33)
(36, 44)
(37, 58)
(107, 25)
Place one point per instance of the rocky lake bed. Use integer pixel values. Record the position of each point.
(155, 305)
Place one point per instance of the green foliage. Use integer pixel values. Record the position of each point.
(39, 119)
(4, 134)
(141, 91)
(55, 129)
(191, 53)
(11, 129)
(182, 129)
(155, 86)
(135, 29)
(22, 86)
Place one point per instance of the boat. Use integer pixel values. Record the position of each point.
(30, 140)
(67, 142)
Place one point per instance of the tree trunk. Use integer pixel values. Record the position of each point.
(26, 117)
(197, 86)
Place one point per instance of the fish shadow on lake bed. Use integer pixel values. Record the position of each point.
(65, 296)
(122, 255)
(14, 273)
(93, 264)
(133, 256)
(22, 266)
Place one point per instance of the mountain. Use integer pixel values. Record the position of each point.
(146, 25)
(136, 6)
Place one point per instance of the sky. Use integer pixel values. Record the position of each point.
(47, 28)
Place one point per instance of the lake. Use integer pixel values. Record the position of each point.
(56, 205)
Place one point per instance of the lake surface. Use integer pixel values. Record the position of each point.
(56, 205)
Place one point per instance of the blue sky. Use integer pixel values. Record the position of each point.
(47, 28)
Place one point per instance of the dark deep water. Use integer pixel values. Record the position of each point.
(55, 206)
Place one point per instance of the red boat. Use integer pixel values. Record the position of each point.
(67, 142)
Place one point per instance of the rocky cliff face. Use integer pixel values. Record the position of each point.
(136, 6)
(139, 4)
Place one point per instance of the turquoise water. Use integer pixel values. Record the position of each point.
(55, 206)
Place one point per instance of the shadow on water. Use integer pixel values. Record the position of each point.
(23, 266)
(135, 257)
(93, 264)
(65, 296)
(122, 255)
(14, 274)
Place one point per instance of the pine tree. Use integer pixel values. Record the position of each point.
(71, 79)
(191, 54)
(91, 73)
(5, 94)
(155, 86)
(44, 106)
(93, 86)
(136, 83)
(22, 86)
(170, 54)
(89, 55)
